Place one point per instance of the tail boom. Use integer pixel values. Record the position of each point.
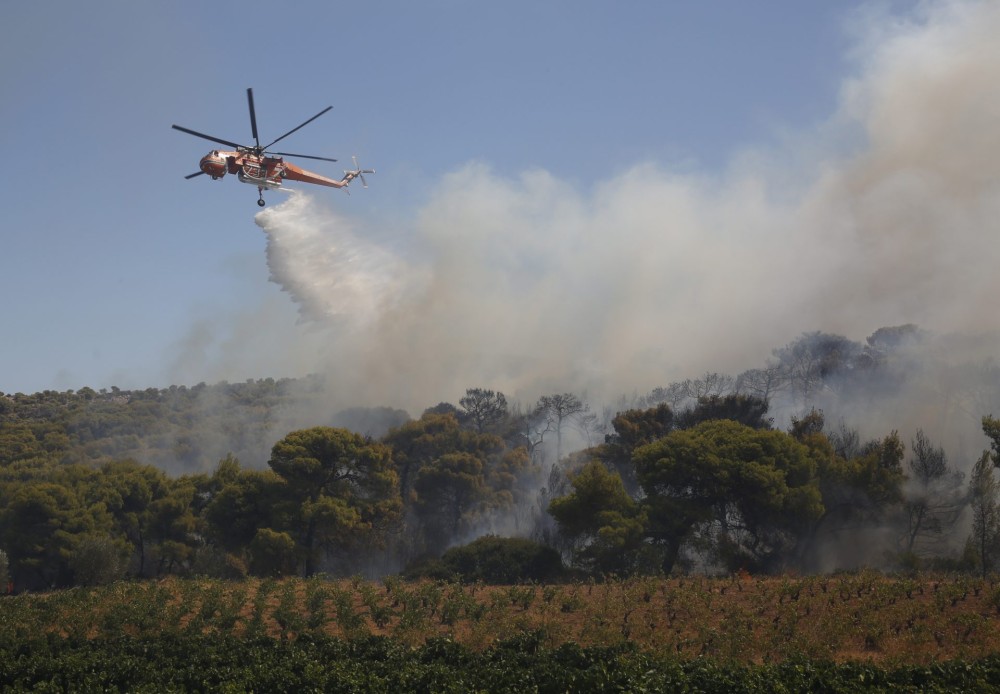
(295, 173)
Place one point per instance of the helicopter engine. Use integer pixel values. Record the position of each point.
(214, 164)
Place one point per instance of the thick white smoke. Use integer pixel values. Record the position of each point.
(889, 213)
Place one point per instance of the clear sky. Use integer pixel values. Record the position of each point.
(110, 260)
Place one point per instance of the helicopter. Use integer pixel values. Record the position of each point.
(257, 166)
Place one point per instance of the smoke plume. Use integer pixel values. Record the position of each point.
(886, 214)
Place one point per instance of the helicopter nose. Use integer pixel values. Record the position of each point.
(213, 164)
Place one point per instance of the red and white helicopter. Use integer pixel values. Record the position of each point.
(266, 170)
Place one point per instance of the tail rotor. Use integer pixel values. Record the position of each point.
(358, 172)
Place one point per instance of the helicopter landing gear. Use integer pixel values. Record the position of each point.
(260, 202)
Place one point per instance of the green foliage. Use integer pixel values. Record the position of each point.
(40, 523)
(429, 568)
(991, 427)
(605, 524)
(341, 489)
(421, 442)
(632, 429)
(85, 468)
(273, 553)
(455, 477)
(213, 562)
(503, 560)
(179, 429)
(208, 663)
(245, 501)
(350, 620)
(765, 483)
(451, 492)
(984, 494)
(748, 410)
(98, 560)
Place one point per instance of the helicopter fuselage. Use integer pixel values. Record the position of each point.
(261, 171)
(257, 166)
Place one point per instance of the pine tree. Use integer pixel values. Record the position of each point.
(983, 490)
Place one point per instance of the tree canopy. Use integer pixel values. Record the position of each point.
(695, 475)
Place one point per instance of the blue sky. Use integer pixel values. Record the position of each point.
(110, 256)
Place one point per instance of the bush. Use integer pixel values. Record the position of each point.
(98, 560)
(214, 563)
(504, 561)
(429, 568)
(272, 554)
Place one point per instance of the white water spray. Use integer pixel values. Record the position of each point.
(330, 272)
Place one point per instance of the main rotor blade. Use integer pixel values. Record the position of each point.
(206, 137)
(253, 116)
(300, 126)
(200, 173)
(301, 156)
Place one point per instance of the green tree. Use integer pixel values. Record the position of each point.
(18, 442)
(605, 526)
(632, 429)
(862, 488)
(243, 503)
(128, 490)
(39, 526)
(421, 442)
(272, 553)
(343, 485)
(983, 496)
(175, 526)
(748, 493)
(991, 427)
(745, 409)
(451, 493)
(513, 479)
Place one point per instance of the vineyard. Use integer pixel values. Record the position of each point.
(765, 630)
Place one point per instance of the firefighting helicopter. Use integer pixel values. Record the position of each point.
(257, 166)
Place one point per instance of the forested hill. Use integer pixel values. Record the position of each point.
(900, 378)
(177, 429)
(818, 460)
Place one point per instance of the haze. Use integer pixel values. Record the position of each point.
(885, 214)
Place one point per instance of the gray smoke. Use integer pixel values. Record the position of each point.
(885, 214)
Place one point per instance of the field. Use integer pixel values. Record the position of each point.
(848, 623)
